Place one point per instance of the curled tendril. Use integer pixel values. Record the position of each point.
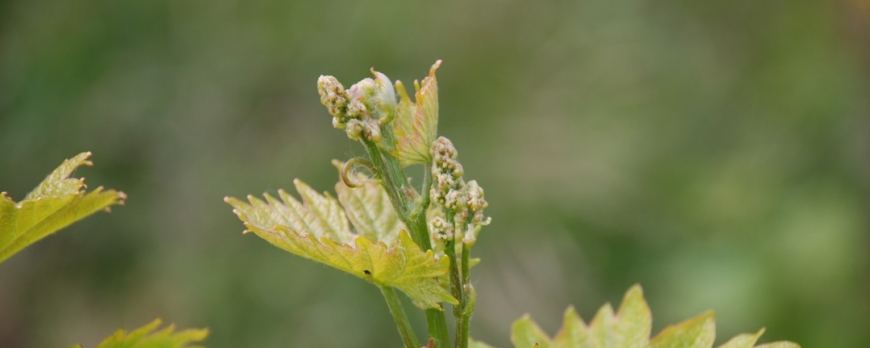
(348, 167)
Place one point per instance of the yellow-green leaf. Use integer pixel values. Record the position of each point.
(146, 337)
(573, 333)
(743, 340)
(54, 204)
(698, 332)
(417, 123)
(318, 230)
(525, 333)
(629, 327)
(781, 344)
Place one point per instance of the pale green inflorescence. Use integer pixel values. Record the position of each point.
(361, 109)
(454, 197)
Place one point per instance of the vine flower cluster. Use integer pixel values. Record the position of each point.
(461, 201)
(348, 109)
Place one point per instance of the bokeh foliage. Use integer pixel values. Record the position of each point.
(716, 152)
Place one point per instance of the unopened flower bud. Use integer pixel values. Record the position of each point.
(364, 91)
(357, 109)
(338, 123)
(373, 130)
(476, 201)
(457, 170)
(444, 147)
(354, 129)
(440, 228)
(454, 199)
(469, 238)
(384, 99)
(480, 219)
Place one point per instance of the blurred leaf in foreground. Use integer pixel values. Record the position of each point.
(144, 337)
(477, 344)
(629, 328)
(56, 203)
(381, 251)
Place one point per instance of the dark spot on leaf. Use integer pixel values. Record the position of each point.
(367, 272)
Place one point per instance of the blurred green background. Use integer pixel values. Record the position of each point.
(717, 152)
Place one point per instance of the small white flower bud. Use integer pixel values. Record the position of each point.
(364, 91)
(373, 130)
(455, 199)
(457, 170)
(469, 238)
(476, 201)
(480, 219)
(354, 129)
(338, 123)
(357, 109)
(440, 228)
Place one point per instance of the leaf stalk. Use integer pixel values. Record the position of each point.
(404, 326)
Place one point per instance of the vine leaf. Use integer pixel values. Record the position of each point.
(698, 332)
(145, 337)
(317, 229)
(56, 203)
(629, 328)
(743, 340)
(781, 344)
(417, 123)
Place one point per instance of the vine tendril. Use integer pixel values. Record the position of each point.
(349, 165)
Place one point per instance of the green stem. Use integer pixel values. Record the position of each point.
(402, 322)
(456, 291)
(466, 303)
(393, 179)
(437, 325)
(389, 179)
(460, 287)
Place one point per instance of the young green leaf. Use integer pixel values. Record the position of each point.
(145, 337)
(781, 344)
(698, 332)
(318, 230)
(417, 123)
(743, 340)
(629, 327)
(56, 203)
(525, 333)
